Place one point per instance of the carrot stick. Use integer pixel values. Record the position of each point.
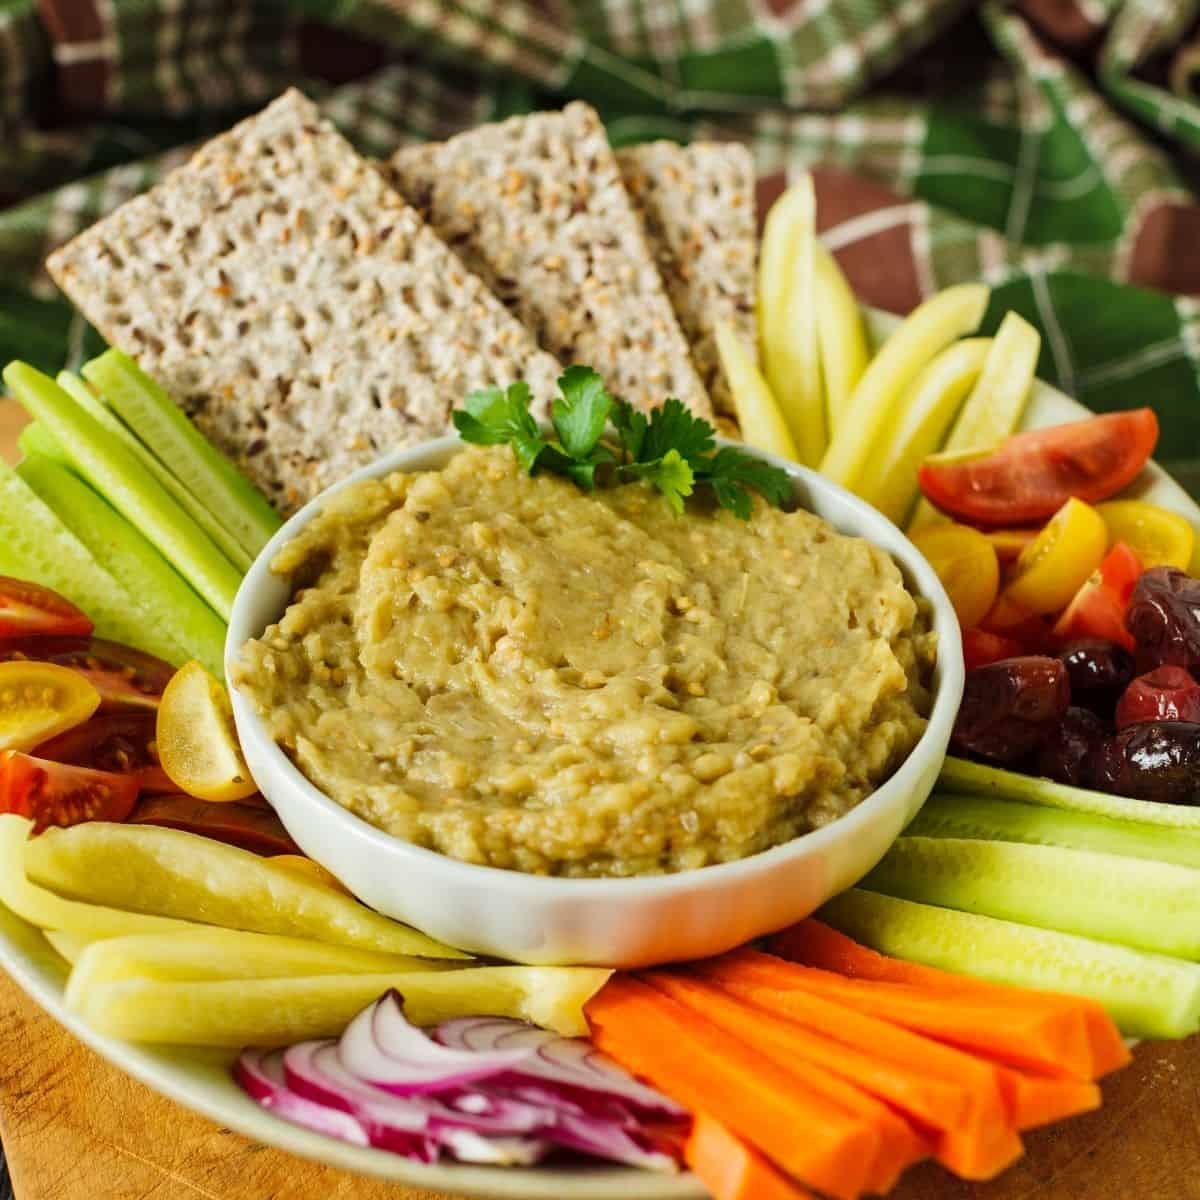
(818, 945)
(956, 1096)
(1051, 1042)
(706, 1068)
(1034, 1100)
(732, 1169)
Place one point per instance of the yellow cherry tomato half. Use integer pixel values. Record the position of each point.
(308, 868)
(40, 700)
(966, 563)
(1057, 563)
(1008, 543)
(1159, 537)
(197, 744)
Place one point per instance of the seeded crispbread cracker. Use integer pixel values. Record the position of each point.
(297, 308)
(697, 203)
(536, 207)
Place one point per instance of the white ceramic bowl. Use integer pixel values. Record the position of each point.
(609, 922)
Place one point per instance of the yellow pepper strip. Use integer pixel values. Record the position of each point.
(842, 339)
(759, 418)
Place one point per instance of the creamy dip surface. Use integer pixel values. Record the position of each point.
(510, 671)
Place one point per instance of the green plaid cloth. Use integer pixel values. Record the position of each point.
(1044, 146)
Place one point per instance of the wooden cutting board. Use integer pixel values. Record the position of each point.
(76, 1128)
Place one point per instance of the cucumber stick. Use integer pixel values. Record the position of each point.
(163, 595)
(35, 438)
(1147, 995)
(984, 818)
(91, 404)
(117, 475)
(36, 545)
(959, 775)
(1149, 906)
(183, 449)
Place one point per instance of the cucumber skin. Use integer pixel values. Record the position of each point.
(1151, 907)
(95, 408)
(36, 545)
(988, 819)
(960, 775)
(116, 473)
(239, 505)
(1145, 994)
(164, 598)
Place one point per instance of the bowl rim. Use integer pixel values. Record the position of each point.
(870, 524)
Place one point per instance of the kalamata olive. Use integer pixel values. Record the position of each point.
(1164, 618)
(1071, 745)
(1157, 760)
(1010, 706)
(1099, 672)
(1164, 694)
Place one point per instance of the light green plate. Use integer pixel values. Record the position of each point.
(201, 1081)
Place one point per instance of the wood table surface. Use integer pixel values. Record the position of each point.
(76, 1128)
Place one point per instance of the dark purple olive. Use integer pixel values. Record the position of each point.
(1071, 746)
(1009, 707)
(1099, 672)
(1164, 618)
(1158, 760)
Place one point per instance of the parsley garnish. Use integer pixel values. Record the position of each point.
(668, 448)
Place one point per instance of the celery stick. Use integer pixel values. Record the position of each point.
(92, 404)
(118, 476)
(1147, 995)
(36, 545)
(166, 599)
(1149, 906)
(1011, 821)
(35, 438)
(959, 775)
(993, 410)
(925, 332)
(196, 463)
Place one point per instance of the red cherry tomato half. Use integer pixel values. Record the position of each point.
(1031, 475)
(124, 677)
(981, 648)
(1009, 620)
(1098, 609)
(121, 742)
(246, 825)
(1164, 694)
(28, 609)
(53, 793)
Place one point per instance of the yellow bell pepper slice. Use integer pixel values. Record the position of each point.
(1159, 537)
(170, 873)
(927, 331)
(277, 1012)
(761, 423)
(926, 412)
(993, 410)
(841, 338)
(1057, 563)
(787, 309)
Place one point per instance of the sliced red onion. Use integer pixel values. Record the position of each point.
(380, 1046)
(573, 1063)
(470, 1147)
(261, 1074)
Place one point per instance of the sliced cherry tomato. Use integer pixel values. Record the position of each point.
(1097, 609)
(1159, 537)
(1031, 475)
(1008, 543)
(1010, 620)
(53, 793)
(981, 648)
(967, 566)
(244, 825)
(28, 609)
(1053, 567)
(122, 742)
(39, 700)
(124, 677)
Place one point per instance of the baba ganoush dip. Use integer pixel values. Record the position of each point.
(514, 672)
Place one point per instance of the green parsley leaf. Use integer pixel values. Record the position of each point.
(493, 417)
(583, 471)
(671, 474)
(581, 413)
(630, 426)
(730, 472)
(672, 427)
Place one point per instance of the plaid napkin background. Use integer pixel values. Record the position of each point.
(1045, 146)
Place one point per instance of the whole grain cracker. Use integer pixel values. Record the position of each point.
(697, 203)
(536, 207)
(297, 308)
